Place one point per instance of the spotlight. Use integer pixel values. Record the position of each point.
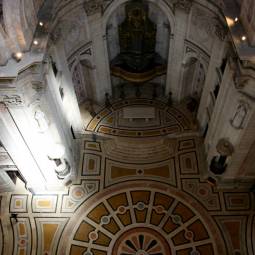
(35, 42)
(17, 56)
(41, 23)
(236, 19)
(243, 38)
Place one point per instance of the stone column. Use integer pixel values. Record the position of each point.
(217, 122)
(176, 52)
(17, 148)
(215, 62)
(101, 60)
(38, 143)
(63, 80)
(242, 162)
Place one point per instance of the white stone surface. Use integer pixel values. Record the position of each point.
(133, 112)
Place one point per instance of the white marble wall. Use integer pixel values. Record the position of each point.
(178, 24)
(41, 120)
(18, 27)
(233, 119)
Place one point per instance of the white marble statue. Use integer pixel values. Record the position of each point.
(41, 121)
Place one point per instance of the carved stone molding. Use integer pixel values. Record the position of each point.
(183, 4)
(96, 6)
(12, 100)
(30, 74)
(31, 84)
(55, 35)
(38, 86)
(92, 7)
(3, 107)
(7, 82)
(241, 80)
(221, 29)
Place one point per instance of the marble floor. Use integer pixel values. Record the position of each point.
(140, 190)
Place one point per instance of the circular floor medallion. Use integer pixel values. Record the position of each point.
(141, 241)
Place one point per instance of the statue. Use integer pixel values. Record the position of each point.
(41, 121)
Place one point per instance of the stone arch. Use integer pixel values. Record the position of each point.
(20, 19)
(37, 4)
(160, 3)
(63, 10)
(17, 27)
(73, 30)
(112, 18)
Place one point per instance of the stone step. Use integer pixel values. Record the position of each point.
(138, 150)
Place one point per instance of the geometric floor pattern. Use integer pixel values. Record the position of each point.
(167, 120)
(132, 196)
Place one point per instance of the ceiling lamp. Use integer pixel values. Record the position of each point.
(243, 38)
(17, 56)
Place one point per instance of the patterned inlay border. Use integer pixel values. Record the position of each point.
(96, 216)
(171, 120)
(230, 211)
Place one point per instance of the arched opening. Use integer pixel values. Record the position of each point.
(138, 47)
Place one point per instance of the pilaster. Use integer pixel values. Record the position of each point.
(176, 51)
(100, 54)
(215, 62)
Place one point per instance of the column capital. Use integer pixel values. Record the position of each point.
(220, 29)
(11, 100)
(95, 6)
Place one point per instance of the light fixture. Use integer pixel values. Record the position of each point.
(230, 21)
(243, 38)
(236, 19)
(41, 23)
(17, 56)
(35, 42)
